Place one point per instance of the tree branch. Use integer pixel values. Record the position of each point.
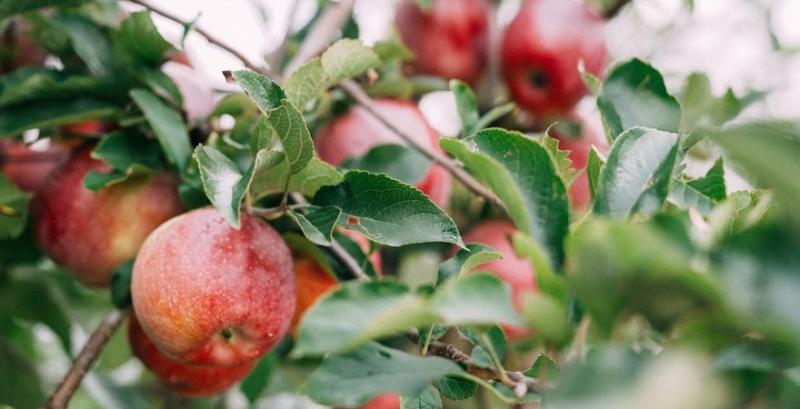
(321, 35)
(358, 94)
(63, 393)
(208, 36)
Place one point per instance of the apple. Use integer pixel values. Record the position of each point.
(383, 401)
(188, 381)
(579, 146)
(541, 50)
(516, 271)
(450, 40)
(208, 294)
(356, 132)
(86, 128)
(17, 49)
(91, 233)
(198, 97)
(27, 166)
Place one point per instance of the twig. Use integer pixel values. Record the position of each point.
(208, 36)
(612, 11)
(322, 34)
(63, 393)
(355, 91)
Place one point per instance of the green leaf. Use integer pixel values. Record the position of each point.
(561, 160)
(121, 285)
(520, 171)
(495, 114)
(546, 279)
(353, 378)
(163, 86)
(254, 385)
(475, 299)
(392, 49)
(466, 260)
(306, 83)
(490, 345)
(267, 95)
(223, 182)
(13, 209)
(33, 299)
(317, 223)
(128, 153)
(52, 113)
(685, 196)
(388, 211)
(427, 399)
(593, 84)
(89, 42)
(637, 174)
(21, 384)
(313, 177)
(455, 388)
(347, 58)
(713, 183)
(168, 126)
(396, 161)
(40, 83)
(467, 105)
(544, 368)
(291, 128)
(594, 164)
(357, 252)
(141, 38)
(634, 95)
(9, 8)
(548, 317)
(702, 109)
(270, 171)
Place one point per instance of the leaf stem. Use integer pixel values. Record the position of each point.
(63, 393)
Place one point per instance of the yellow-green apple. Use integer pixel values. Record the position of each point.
(450, 39)
(356, 132)
(542, 48)
(91, 233)
(208, 294)
(189, 381)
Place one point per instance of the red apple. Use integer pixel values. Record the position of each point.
(27, 167)
(356, 132)
(189, 381)
(207, 294)
(579, 146)
(517, 272)
(198, 97)
(384, 401)
(17, 49)
(87, 128)
(91, 233)
(541, 50)
(449, 40)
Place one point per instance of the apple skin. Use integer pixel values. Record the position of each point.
(384, 401)
(188, 381)
(91, 233)
(449, 40)
(198, 97)
(541, 50)
(515, 271)
(579, 146)
(207, 294)
(87, 128)
(29, 168)
(356, 132)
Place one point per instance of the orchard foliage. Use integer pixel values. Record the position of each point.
(668, 290)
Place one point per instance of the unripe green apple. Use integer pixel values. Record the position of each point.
(189, 381)
(208, 294)
(91, 233)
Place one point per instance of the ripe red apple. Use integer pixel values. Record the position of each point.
(449, 40)
(27, 167)
(384, 401)
(207, 294)
(17, 49)
(91, 233)
(198, 97)
(87, 128)
(517, 272)
(189, 381)
(579, 146)
(356, 132)
(541, 50)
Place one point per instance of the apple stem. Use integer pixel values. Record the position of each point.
(63, 393)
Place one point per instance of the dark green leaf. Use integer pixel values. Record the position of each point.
(89, 42)
(13, 209)
(291, 128)
(313, 177)
(224, 183)
(121, 285)
(21, 385)
(129, 153)
(9, 8)
(475, 299)
(267, 95)
(544, 368)
(467, 105)
(317, 223)
(593, 166)
(34, 300)
(39, 83)
(141, 38)
(455, 388)
(713, 183)
(258, 380)
(396, 161)
(685, 196)
(167, 125)
(51, 113)
(466, 260)
(388, 211)
(427, 399)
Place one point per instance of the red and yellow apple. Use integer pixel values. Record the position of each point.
(516, 271)
(91, 233)
(356, 132)
(208, 294)
(450, 40)
(189, 381)
(541, 51)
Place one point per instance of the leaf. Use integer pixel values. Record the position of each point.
(357, 252)
(141, 38)
(39, 83)
(455, 388)
(466, 260)
(20, 386)
(347, 58)
(495, 114)
(713, 183)
(685, 196)
(475, 299)
(128, 153)
(291, 128)
(636, 176)
(317, 223)
(467, 105)
(306, 83)
(88, 41)
(427, 399)
(313, 177)
(163, 86)
(594, 164)
(167, 125)
(254, 385)
(13, 209)
(396, 161)
(593, 84)
(634, 95)
(548, 317)
(121, 285)
(353, 378)
(520, 171)
(546, 279)
(544, 368)
(561, 160)
(490, 345)
(388, 211)
(9, 8)
(702, 109)
(51, 113)
(223, 182)
(33, 300)
(267, 95)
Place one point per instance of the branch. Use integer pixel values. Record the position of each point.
(612, 11)
(63, 393)
(321, 35)
(208, 36)
(358, 94)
